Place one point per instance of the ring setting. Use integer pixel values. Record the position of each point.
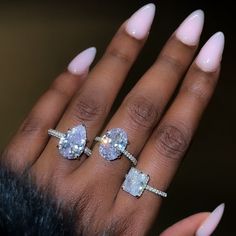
(136, 182)
(113, 144)
(72, 143)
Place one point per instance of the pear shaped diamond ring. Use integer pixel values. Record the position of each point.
(72, 143)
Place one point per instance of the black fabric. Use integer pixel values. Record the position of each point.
(25, 210)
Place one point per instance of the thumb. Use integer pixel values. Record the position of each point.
(201, 224)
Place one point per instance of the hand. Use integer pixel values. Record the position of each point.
(159, 133)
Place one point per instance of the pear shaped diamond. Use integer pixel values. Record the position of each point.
(113, 143)
(73, 142)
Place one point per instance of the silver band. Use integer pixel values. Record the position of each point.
(130, 157)
(88, 151)
(156, 191)
(124, 152)
(55, 133)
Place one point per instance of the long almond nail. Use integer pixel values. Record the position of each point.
(140, 22)
(191, 28)
(211, 222)
(81, 63)
(210, 55)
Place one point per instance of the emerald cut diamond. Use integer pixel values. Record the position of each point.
(135, 182)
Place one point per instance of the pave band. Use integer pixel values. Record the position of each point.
(156, 191)
(72, 143)
(55, 133)
(136, 182)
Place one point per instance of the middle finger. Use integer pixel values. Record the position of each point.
(144, 105)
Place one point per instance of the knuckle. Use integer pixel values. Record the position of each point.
(196, 91)
(87, 108)
(142, 112)
(172, 62)
(31, 125)
(199, 86)
(120, 55)
(5, 155)
(122, 222)
(57, 88)
(171, 141)
(10, 158)
(120, 225)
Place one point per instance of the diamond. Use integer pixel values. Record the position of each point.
(113, 143)
(72, 144)
(135, 182)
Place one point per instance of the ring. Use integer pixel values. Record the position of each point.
(113, 145)
(72, 143)
(136, 182)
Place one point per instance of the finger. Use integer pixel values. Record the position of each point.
(144, 105)
(200, 224)
(187, 226)
(92, 104)
(163, 152)
(46, 113)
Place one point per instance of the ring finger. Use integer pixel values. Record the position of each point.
(163, 152)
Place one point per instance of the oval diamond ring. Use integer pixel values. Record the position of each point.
(113, 145)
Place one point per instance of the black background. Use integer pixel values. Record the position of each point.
(39, 39)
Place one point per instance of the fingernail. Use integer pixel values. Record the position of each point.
(211, 222)
(210, 55)
(81, 63)
(140, 22)
(191, 28)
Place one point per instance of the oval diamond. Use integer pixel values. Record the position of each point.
(72, 144)
(113, 144)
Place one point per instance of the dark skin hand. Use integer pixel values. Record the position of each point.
(158, 137)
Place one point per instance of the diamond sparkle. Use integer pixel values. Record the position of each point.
(113, 143)
(72, 144)
(135, 182)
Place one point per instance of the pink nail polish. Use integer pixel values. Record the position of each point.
(81, 63)
(211, 222)
(191, 28)
(210, 55)
(140, 22)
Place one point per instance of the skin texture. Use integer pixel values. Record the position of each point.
(27, 210)
(158, 137)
